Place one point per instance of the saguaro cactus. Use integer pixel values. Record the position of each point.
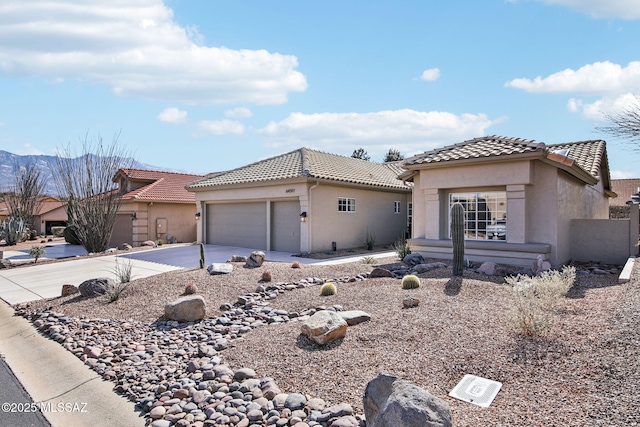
(201, 255)
(457, 238)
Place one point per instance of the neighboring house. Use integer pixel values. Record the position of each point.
(527, 191)
(51, 213)
(154, 205)
(626, 189)
(303, 201)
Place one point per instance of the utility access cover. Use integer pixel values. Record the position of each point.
(477, 390)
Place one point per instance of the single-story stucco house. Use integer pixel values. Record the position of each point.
(154, 205)
(520, 197)
(51, 212)
(303, 201)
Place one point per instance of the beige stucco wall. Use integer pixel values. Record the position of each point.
(58, 214)
(374, 213)
(180, 221)
(320, 201)
(542, 200)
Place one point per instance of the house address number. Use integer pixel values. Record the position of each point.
(290, 190)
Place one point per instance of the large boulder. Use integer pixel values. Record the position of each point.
(255, 260)
(392, 402)
(413, 259)
(380, 272)
(94, 287)
(353, 317)
(324, 327)
(189, 308)
(220, 268)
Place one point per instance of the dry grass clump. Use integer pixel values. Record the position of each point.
(536, 299)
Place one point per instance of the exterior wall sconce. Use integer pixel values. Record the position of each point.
(198, 215)
(303, 217)
(134, 216)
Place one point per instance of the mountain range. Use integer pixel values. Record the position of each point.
(47, 165)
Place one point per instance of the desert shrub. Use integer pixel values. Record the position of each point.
(410, 281)
(114, 292)
(368, 260)
(266, 276)
(402, 248)
(370, 240)
(190, 289)
(534, 300)
(37, 251)
(123, 270)
(159, 242)
(296, 264)
(328, 289)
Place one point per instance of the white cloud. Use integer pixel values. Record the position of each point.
(238, 113)
(172, 115)
(597, 79)
(623, 175)
(430, 75)
(221, 127)
(406, 130)
(137, 49)
(597, 110)
(623, 9)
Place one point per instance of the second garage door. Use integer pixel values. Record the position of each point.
(237, 224)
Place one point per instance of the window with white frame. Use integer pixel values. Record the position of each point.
(346, 204)
(396, 207)
(485, 214)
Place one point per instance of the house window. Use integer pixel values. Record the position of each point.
(485, 214)
(396, 207)
(346, 204)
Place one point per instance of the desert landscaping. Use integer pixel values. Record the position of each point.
(585, 371)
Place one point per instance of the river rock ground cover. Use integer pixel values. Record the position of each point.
(586, 372)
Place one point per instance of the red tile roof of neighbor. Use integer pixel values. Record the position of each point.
(625, 188)
(161, 186)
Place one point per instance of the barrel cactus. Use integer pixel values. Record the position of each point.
(410, 281)
(328, 289)
(457, 238)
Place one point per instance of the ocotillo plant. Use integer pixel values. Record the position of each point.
(457, 238)
(201, 255)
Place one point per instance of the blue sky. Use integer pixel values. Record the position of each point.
(204, 85)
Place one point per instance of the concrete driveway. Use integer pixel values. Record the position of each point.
(37, 281)
(188, 256)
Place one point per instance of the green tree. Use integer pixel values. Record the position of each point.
(392, 155)
(360, 153)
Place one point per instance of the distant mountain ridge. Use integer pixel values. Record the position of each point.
(47, 165)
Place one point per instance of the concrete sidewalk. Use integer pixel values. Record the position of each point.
(69, 392)
(29, 283)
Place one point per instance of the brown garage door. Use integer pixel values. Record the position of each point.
(237, 224)
(285, 226)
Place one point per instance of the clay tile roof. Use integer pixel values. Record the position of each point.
(489, 146)
(588, 154)
(312, 164)
(161, 186)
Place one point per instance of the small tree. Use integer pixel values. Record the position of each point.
(392, 155)
(360, 153)
(25, 198)
(92, 197)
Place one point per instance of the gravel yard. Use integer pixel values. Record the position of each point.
(586, 372)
